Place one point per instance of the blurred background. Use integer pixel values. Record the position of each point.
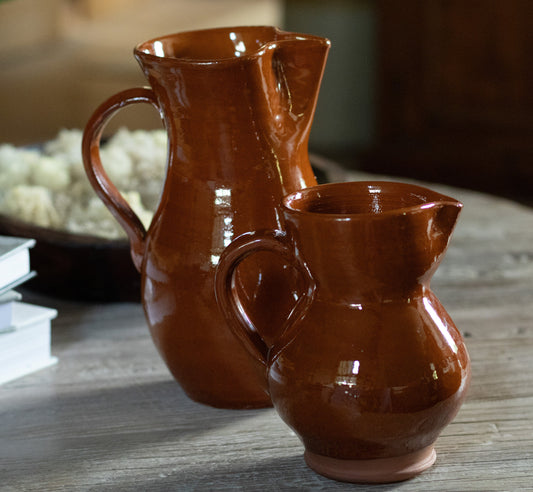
(439, 90)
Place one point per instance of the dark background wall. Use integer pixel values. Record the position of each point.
(438, 90)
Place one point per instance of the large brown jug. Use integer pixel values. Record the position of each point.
(370, 368)
(237, 104)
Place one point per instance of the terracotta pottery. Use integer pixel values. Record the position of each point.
(369, 367)
(238, 105)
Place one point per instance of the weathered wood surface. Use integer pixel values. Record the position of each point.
(109, 416)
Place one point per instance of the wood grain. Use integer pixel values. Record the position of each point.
(110, 417)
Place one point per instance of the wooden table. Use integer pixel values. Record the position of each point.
(109, 416)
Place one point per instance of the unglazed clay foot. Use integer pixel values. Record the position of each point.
(383, 470)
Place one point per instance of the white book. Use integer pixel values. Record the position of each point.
(27, 348)
(14, 259)
(7, 302)
(35, 361)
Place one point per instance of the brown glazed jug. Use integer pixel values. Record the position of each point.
(237, 104)
(369, 367)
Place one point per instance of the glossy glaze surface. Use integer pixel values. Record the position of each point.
(237, 104)
(371, 367)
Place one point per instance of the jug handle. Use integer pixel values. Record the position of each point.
(231, 306)
(99, 179)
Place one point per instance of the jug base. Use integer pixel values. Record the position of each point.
(382, 470)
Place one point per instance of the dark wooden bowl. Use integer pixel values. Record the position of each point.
(77, 267)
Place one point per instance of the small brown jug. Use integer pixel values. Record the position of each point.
(369, 367)
(237, 104)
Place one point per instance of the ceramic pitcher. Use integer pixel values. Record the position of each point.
(369, 368)
(237, 104)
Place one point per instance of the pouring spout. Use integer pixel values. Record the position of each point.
(441, 222)
(298, 64)
(290, 70)
(445, 218)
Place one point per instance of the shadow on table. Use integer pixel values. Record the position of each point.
(58, 432)
(282, 473)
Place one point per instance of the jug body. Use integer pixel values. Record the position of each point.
(369, 388)
(229, 165)
(371, 368)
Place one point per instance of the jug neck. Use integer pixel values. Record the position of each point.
(359, 254)
(237, 95)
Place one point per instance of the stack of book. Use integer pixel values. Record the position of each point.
(25, 329)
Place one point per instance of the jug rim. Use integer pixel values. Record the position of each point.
(141, 49)
(427, 197)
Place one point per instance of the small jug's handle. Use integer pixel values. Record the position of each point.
(100, 181)
(231, 306)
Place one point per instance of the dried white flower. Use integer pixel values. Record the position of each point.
(50, 188)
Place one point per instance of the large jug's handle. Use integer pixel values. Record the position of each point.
(231, 306)
(100, 181)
